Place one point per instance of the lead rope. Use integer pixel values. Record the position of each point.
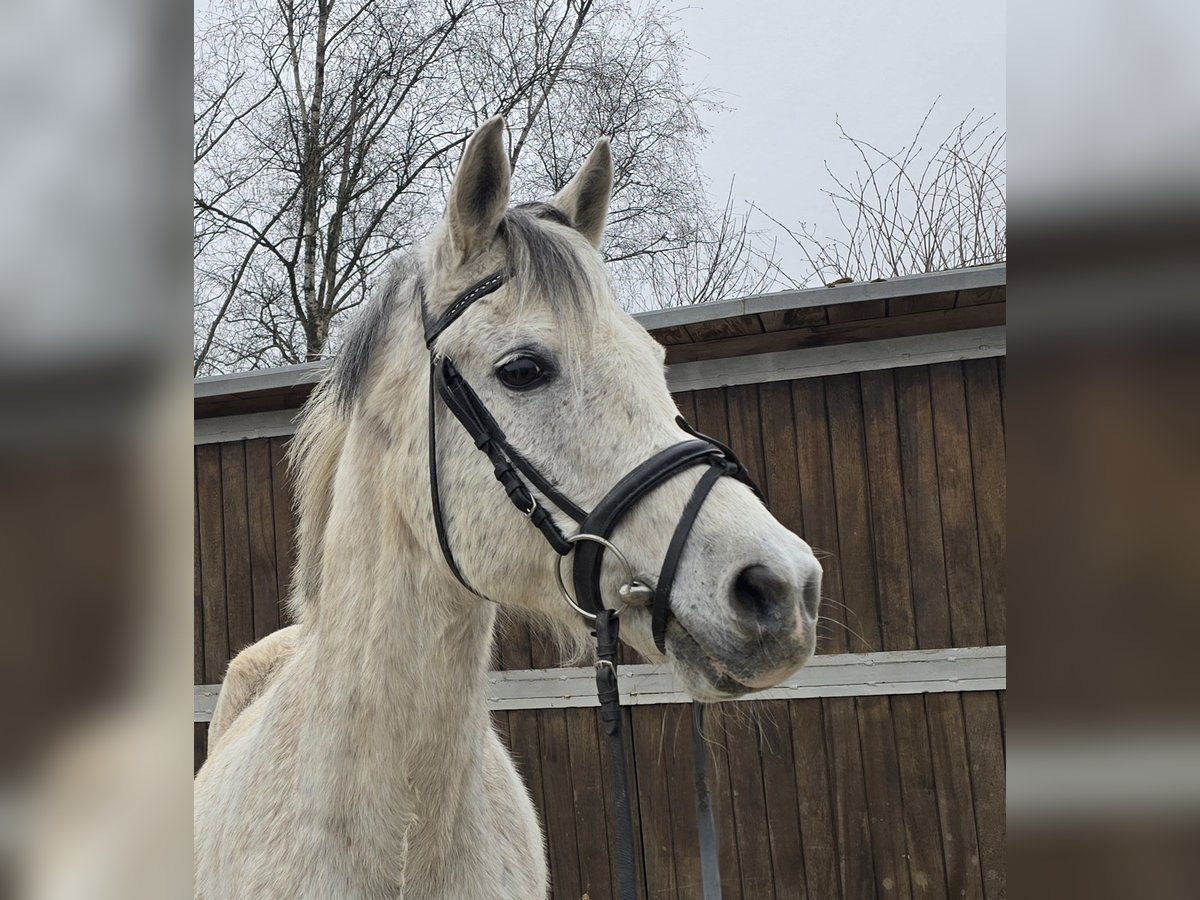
(608, 628)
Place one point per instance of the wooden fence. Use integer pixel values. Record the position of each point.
(858, 786)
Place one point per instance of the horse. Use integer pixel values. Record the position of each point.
(352, 755)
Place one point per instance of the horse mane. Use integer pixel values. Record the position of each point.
(541, 261)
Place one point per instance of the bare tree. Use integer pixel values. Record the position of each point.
(914, 210)
(325, 132)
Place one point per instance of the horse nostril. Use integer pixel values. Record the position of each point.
(759, 592)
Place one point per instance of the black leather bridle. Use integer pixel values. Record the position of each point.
(523, 484)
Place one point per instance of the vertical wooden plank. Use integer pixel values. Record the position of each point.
(985, 746)
(818, 831)
(198, 596)
(779, 772)
(850, 808)
(712, 416)
(595, 874)
(922, 507)
(525, 743)
(264, 579)
(199, 745)
(238, 593)
(927, 870)
(285, 523)
(745, 430)
(819, 507)
(781, 480)
(724, 814)
(677, 766)
(749, 803)
(686, 401)
(212, 561)
(960, 846)
(988, 472)
(844, 402)
(959, 535)
(889, 843)
(560, 800)
(893, 580)
(654, 801)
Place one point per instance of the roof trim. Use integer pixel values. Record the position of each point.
(975, 278)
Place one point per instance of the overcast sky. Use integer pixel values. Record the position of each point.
(786, 68)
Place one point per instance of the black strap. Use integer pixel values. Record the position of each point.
(608, 628)
(435, 494)
(461, 304)
(666, 577)
(617, 502)
(483, 428)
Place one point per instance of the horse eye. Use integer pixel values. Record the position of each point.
(522, 373)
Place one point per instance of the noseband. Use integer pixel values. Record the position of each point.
(523, 484)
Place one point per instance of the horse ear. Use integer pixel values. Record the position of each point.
(479, 194)
(585, 198)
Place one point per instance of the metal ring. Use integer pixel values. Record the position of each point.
(608, 545)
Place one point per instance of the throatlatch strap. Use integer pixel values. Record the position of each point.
(666, 577)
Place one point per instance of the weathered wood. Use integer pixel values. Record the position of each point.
(678, 768)
(591, 823)
(239, 596)
(844, 403)
(721, 789)
(281, 501)
(655, 803)
(779, 772)
(780, 477)
(922, 506)
(820, 509)
(851, 312)
(881, 769)
(960, 847)
(745, 429)
(198, 596)
(988, 473)
(926, 866)
(892, 575)
(985, 746)
(715, 329)
(749, 803)
(818, 830)
(212, 561)
(261, 518)
(851, 812)
(904, 306)
(959, 535)
(938, 320)
(785, 319)
(562, 848)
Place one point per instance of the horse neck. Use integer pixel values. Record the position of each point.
(397, 655)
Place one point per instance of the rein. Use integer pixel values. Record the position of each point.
(520, 480)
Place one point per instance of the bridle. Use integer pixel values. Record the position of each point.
(520, 480)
